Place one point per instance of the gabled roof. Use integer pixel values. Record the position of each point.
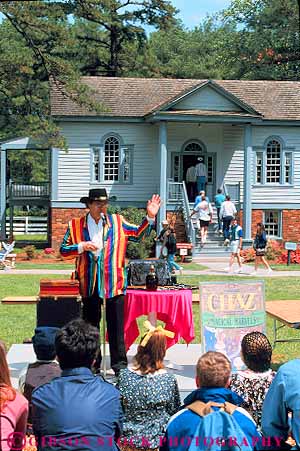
(216, 87)
(139, 97)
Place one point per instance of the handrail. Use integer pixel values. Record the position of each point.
(233, 189)
(177, 194)
(189, 226)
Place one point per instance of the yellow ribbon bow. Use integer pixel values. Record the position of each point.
(151, 329)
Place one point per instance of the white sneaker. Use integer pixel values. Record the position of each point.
(253, 273)
(238, 271)
(228, 269)
(270, 270)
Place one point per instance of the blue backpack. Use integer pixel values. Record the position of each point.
(216, 424)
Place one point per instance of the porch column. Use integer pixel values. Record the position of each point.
(2, 193)
(163, 138)
(162, 152)
(247, 207)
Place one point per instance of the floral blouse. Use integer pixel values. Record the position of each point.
(148, 403)
(253, 388)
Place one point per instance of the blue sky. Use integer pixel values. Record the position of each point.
(193, 11)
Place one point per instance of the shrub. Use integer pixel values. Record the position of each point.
(274, 252)
(144, 248)
(295, 257)
(30, 251)
(248, 255)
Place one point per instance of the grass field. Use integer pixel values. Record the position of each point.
(18, 322)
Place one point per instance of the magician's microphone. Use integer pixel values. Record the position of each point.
(104, 220)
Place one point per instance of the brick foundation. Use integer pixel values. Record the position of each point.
(59, 222)
(290, 223)
(61, 216)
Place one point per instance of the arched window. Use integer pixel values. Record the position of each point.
(274, 163)
(194, 147)
(112, 161)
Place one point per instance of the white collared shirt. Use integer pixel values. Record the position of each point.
(96, 235)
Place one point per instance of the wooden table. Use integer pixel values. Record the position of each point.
(20, 300)
(287, 313)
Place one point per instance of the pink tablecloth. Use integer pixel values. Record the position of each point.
(174, 307)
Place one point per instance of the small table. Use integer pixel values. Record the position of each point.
(288, 314)
(17, 300)
(173, 307)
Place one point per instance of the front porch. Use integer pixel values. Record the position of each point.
(226, 149)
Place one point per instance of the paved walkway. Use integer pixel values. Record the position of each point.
(217, 267)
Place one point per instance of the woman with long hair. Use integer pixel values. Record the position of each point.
(260, 245)
(13, 409)
(150, 396)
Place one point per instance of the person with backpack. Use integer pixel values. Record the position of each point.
(211, 417)
(260, 245)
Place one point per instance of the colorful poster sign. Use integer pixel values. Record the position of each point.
(228, 312)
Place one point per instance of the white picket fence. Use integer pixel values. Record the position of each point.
(28, 225)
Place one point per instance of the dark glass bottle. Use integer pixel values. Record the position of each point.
(151, 279)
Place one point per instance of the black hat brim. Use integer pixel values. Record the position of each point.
(85, 200)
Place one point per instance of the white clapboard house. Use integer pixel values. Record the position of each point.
(153, 130)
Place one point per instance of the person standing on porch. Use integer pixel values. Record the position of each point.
(201, 174)
(227, 213)
(191, 183)
(84, 240)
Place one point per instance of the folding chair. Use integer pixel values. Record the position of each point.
(5, 263)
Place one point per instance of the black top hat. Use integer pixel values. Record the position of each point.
(95, 194)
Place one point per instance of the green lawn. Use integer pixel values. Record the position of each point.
(193, 266)
(293, 267)
(54, 265)
(18, 322)
(31, 237)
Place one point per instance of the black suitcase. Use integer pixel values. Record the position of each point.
(58, 311)
(138, 270)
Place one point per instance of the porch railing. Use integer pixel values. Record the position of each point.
(233, 189)
(26, 190)
(177, 194)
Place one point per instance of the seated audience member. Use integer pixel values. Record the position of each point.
(149, 394)
(13, 409)
(45, 368)
(253, 383)
(213, 396)
(281, 408)
(77, 408)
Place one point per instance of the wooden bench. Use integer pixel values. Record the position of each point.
(20, 300)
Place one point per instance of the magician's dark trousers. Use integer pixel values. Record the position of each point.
(91, 312)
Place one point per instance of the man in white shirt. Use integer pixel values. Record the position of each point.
(84, 240)
(227, 213)
(204, 212)
(191, 184)
(201, 174)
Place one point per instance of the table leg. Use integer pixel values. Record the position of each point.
(275, 333)
(152, 317)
